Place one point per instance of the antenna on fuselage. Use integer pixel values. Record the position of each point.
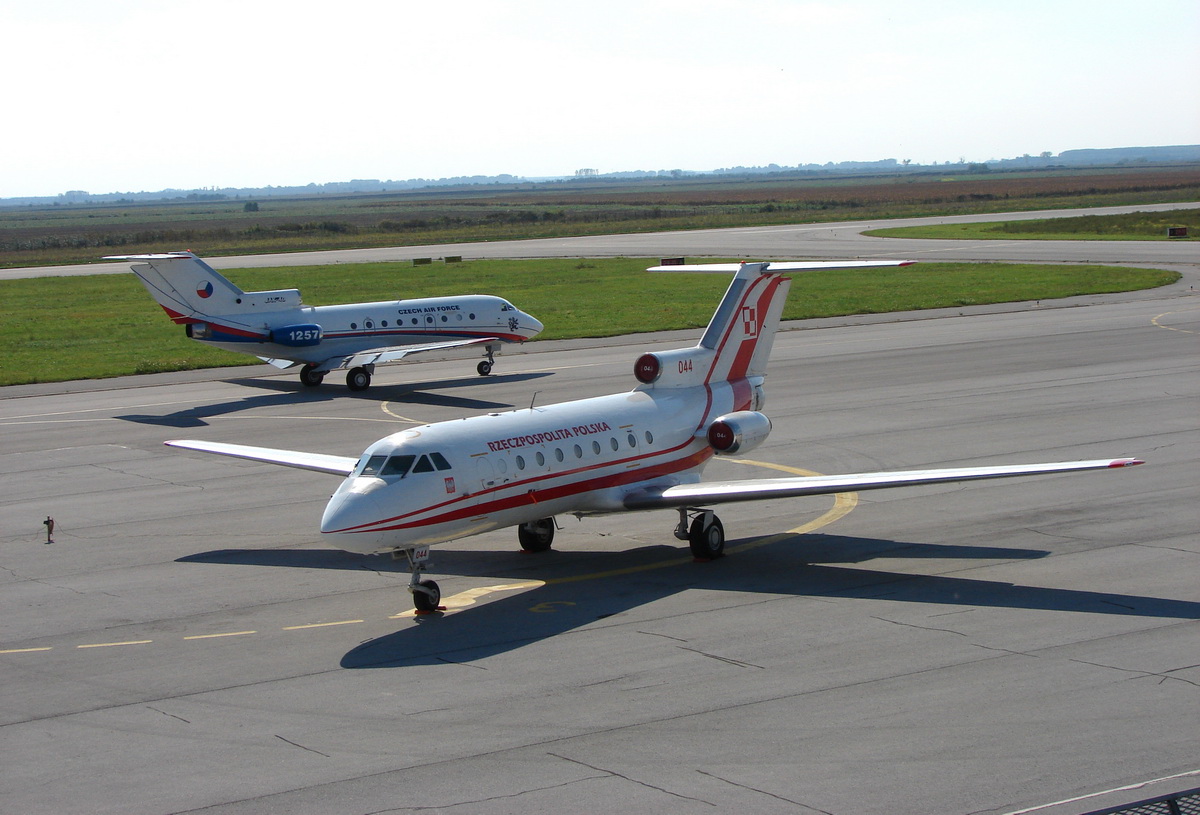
(532, 399)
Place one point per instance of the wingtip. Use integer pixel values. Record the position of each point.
(1126, 462)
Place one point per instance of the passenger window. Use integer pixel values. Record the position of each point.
(596, 447)
(439, 461)
(424, 465)
(370, 465)
(578, 451)
(520, 462)
(397, 465)
(632, 439)
(649, 437)
(558, 453)
(616, 445)
(541, 459)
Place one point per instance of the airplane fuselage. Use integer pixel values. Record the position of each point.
(504, 469)
(312, 334)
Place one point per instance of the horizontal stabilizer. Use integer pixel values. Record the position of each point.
(722, 492)
(318, 462)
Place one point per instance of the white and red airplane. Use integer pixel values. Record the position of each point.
(278, 328)
(639, 450)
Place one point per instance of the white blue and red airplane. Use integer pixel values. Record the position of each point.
(278, 328)
(639, 450)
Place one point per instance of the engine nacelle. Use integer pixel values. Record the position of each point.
(738, 432)
(297, 336)
(682, 368)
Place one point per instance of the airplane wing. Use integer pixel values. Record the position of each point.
(378, 356)
(318, 462)
(723, 492)
(785, 266)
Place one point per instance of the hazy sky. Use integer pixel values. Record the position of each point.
(131, 95)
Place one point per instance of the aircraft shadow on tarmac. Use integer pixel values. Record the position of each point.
(801, 566)
(294, 393)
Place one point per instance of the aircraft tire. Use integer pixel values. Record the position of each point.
(310, 379)
(707, 544)
(536, 536)
(358, 379)
(484, 368)
(430, 601)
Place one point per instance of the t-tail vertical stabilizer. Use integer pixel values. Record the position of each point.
(190, 290)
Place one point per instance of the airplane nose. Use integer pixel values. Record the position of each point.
(346, 515)
(531, 326)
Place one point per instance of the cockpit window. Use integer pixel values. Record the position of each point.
(369, 465)
(507, 306)
(439, 461)
(424, 465)
(397, 465)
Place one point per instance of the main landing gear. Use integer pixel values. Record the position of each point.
(705, 534)
(310, 377)
(536, 536)
(359, 379)
(426, 594)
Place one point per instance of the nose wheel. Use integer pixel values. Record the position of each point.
(427, 596)
(485, 366)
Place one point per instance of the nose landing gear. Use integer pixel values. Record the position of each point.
(485, 367)
(426, 594)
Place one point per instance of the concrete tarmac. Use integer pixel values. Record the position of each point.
(187, 643)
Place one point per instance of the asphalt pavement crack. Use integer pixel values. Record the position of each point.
(736, 662)
(172, 715)
(1163, 676)
(921, 627)
(477, 801)
(764, 792)
(615, 774)
(301, 746)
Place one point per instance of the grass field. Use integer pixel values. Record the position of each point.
(87, 327)
(1133, 226)
(81, 233)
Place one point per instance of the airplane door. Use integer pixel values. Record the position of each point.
(487, 478)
